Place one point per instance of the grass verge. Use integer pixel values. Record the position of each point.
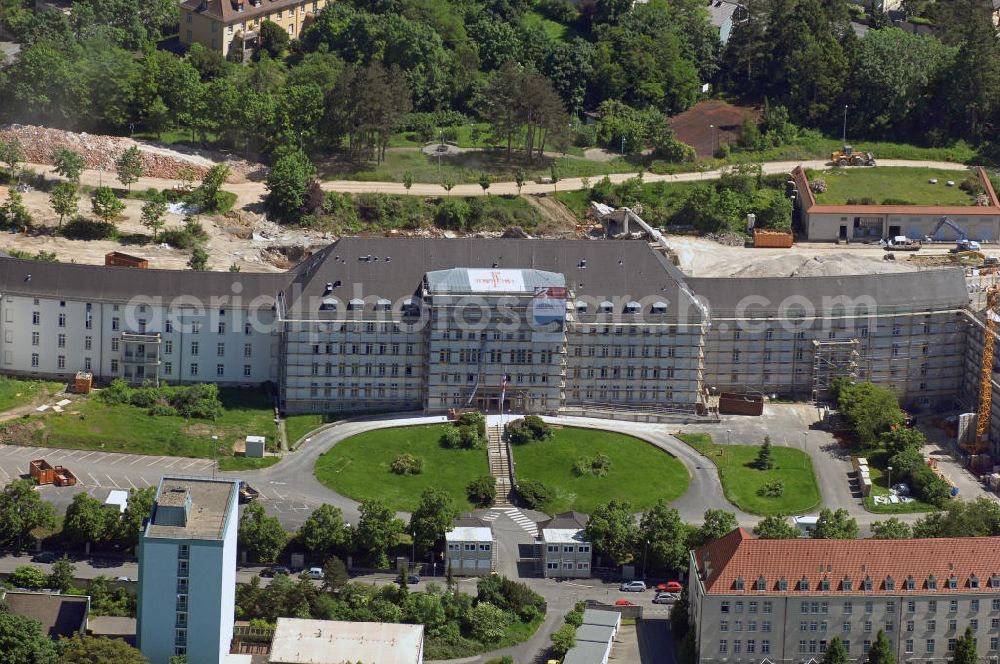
(640, 472)
(358, 467)
(94, 425)
(883, 183)
(741, 480)
(244, 463)
(16, 392)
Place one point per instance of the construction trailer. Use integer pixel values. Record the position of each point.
(118, 259)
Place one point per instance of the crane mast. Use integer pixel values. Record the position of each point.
(986, 372)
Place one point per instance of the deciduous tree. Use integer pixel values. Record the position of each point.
(106, 205)
(68, 164)
(325, 531)
(667, 535)
(129, 167)
(22, 641)
(81, 649)
(433, 517)
(64, 200)
(21, 511)
(613, 531)
(88, 520)
(261, 535)
(378, 530)
(153, 212)
(775, 527)
(835, 525)
(891, 528)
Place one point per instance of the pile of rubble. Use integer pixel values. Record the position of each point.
(727, 239)
(100, 152)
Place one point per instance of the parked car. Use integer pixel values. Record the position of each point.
(45, 557)
(269, 572)
(665, 598)
(624, 602)
(123, 578)
(632, 586)
(670, 587)
(411, 579)
(315, 573)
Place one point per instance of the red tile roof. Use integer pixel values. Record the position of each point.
(845, 565)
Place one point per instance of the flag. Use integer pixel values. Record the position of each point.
(503, 390)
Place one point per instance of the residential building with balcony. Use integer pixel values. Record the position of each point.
(232, 27)
(187, 571)
(755, 601)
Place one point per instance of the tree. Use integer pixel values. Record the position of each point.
(335, 574)
(325, 531)
(129, 166)
(891, 528)
(881, 650)
(407, 181)
(199, 259)
(286, 185)
(273, 38)
(835, 653)
(869, 411)
(775, 527)
(153, 211)
(519, 179)
(487, 623)
(447, 184)
(21, 511)
(718, 523)
(378, 530)
(965, 648)
(106, 205)
(613, 531)
(662, 527)
(28, 576)
(765, 456)
(68, 164)
(137, 510)
(22, 641)
(261, 535)
(563, 639)
(835, 525)
(977, 518)
(484, 182)
(62, 575)
(433, 517)
(88, 520)
(900, 439)
(13, 213)
(64, 199)
(208, 192)
(81, 649)
(12, 154)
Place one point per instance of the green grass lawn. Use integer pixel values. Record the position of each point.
(18, 391)
(884, 182)
(877, 461)
(92, 424)
(553, 29)
(243, 463)
(465, 168)
(640, 472)
(297, 426)
(358, 467)
(665, 197)
(740, 480)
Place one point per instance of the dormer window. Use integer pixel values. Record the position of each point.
(890, 583)
(355, 305)
(782, 584)
(909, 584)
(632, 307)
(931, 583)
(383, 305)
(738, 583)
(803, 584)
(659, 308)
(581, 307)
(994, 581)
(867, 584)
(824, 585)
(761, 583)
(847, 585)
(605, 307)
(973, 581)
(329, 304)
(952, 582)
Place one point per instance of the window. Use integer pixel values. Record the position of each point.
(765, 647)
(35, 338)
(247, 350)
(951, 645)
(911, 606)
(723, 646)
(88, 343)
(222, 327)
(932, 606)
(247, 370)
(866, 645)
(723, 625)
(62, 320)
(869, 607)
(220, 370)
(994, 643)
(61, 361)
(974, 606)
(930, 645)
(724, 607)
(86, 364)
(909, 625)
(115, 323)
(765, 626)
(952, 625)
(846, 627)
(953, 606)
(848, 608)
(114, 366)
(61, 341)
(768, 604)
(909, 646)
(194, 368)
(34, 360)
(168, 367)
(194, 348)
(931, 625)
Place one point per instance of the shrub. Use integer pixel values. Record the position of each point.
(475, 420)
(482, 491)
(597, 465)
(771, 489)
(161, 410)
(539, 429)
(81, 228)
(451, 439)
(534, 493)
(407, 464)
(28, 576)
(563, 639)
(117, 393)
(147, 396)
(470, 438)
(178, 238)
(510, 595)
(528, 429)
(487, 623)
(818, 185)
(929, 487)
(199, 401)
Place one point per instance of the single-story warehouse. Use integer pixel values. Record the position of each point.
(830, 223)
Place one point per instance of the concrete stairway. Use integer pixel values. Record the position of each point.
(499, 465)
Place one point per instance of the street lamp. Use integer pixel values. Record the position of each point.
(845, 124)
(623, 146)
(888, 479)
(413, 547)
(728, 434)
(645, 549)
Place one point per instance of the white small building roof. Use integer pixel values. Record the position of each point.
(255, 439)
(469, 534)
(596, 633)
(598, 617)
(587, 652)
(562, 536)
(118, 498)
(805, 520)
(300, 641)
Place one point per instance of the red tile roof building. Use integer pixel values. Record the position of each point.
(784, 600)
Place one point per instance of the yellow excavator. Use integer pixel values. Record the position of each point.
(848, 157)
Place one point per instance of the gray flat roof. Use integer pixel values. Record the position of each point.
(302, 641)
(925, 289)
(596, 633)
(210, 501)
(598, 617)
(586, 652)
(60, 615)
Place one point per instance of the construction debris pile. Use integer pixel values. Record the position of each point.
(829, 265)
(100, 152)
